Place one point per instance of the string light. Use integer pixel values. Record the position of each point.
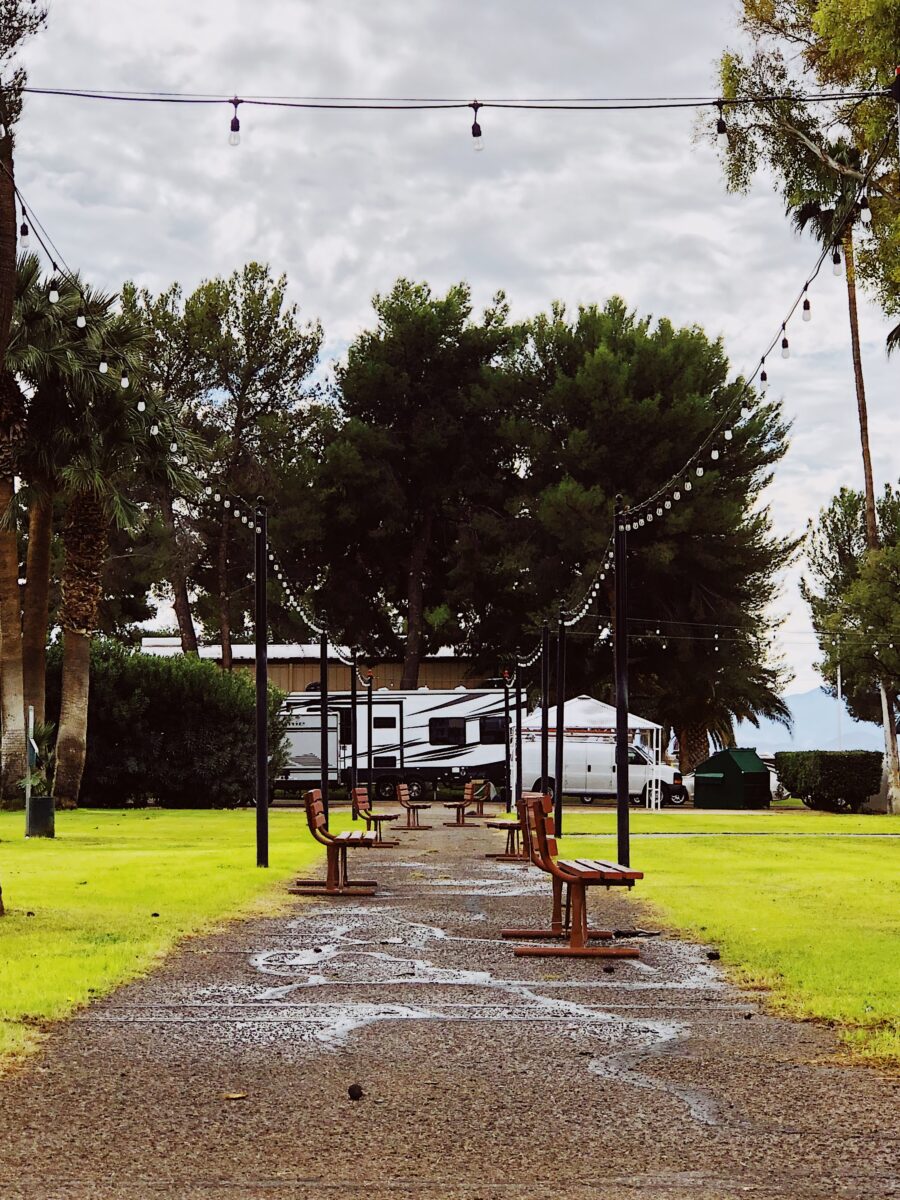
(24, 232)
(728, 435)
(53, 294)
(234, 137)
(721, 127)
(124, 382)
(807, 309)
(865, 212)
(476, 128)
(141, 406)
(104, 366)
(154, 430)
(714, 453)
(785, 346)
(836, 261)
(81, 320)
(699, 471)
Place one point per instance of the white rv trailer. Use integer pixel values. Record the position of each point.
(304, 738)
(421, 737)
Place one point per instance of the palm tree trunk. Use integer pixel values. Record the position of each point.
(224, 612)
(86, 541)
(36, 616)
(415, 614)
(12, 688)
(890, 728)
(7, 242)
(71, 740)
(693, 747)
(850, 261)
(179, 580)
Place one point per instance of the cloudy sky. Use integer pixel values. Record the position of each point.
(559, 206)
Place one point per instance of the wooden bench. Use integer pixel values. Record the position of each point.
(362, 806)
(482, 795)
(516, 831)
(471, 793)
(576, 876)
(337, 881)
(413, 807)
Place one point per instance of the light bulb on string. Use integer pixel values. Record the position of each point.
(785, 345)
(649, 516)
(124, 382)
(727, 435)
(234, 137)
(668, 503)
(714, 453)
(103, 367)
(676, 495)
(226, 502)
(721, 127)
(208, 490)
(24, 233)
(699, 471)
(688, 485)
(53, 294)
(659, 511)
(217, 497)
(807, 308)
(81, 320)
(865, 212)
(836, 261)
(478, 140)
(141, 406)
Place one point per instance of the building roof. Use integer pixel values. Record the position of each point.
(169, 647)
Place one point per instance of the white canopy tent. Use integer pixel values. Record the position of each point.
(585, 717)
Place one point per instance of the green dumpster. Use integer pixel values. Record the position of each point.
(732, 779)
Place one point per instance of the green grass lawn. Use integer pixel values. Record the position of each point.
(814, 920)
(103, 901)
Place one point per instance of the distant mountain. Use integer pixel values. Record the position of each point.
(815, 728)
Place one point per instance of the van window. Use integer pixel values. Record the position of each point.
(493, 731)
(635, 756)
(384, 722)
(447, 731)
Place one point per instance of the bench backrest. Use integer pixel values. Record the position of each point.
(525, 823)
(541, 831)
(315, 817)
(403, 794)
(361, 801)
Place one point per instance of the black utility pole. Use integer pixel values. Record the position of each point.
(545, 706)
(323, 710)
(519, 788)
(262, 686)
(621, 651)
(369, 753)
(559, 766)
(353, 733)
(507, 763)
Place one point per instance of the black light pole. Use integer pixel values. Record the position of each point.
(323, 721)
(545, 705)
(519, 788)
(369, 754)
(559, 766)
(353, 734)
(507, 765)
(262, 687)
(621, 652)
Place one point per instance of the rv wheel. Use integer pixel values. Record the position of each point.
(416, 789)
(385, 789)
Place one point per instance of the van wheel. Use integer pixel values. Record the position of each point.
(587, 799)
(665, 794)
(536, 787)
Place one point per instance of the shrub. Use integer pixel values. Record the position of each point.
(836, 780)
(177, 730)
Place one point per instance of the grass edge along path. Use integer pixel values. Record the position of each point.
(813, 922)
(117, 889)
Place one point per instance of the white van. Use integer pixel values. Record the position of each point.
(590, 770)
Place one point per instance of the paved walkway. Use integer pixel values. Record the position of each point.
(486, 1076)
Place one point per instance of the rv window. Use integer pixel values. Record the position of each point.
(447, 731)
(344, 735)
(384, 722)
(384, 760)
(493, 731)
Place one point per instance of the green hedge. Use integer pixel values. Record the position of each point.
(179, 731)
(834, 780)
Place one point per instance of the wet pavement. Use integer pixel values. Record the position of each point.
(224, 1076)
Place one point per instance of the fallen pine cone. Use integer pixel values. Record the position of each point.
(355, 1092)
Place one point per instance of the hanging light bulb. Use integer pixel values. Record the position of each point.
(154, 430)
(676, 495)
(649, 516)
(227, 502)
(24, 233)
(104, 366)
(836, 261)
(81, 320)
(53, 294)
(699, 471)
(728, 435)
(217, 497)
(688, 485)
(173, 447)
(476, 128)
(807, 309)
(124, 382)
(208, 490)
(865, 212)
(141, 406)
(745, 411)
(659, 511)
(785, 346)
(721, 127)
(668, 502)
(234, 138)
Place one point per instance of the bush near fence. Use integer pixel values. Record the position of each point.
(832, 780)
(179, 731)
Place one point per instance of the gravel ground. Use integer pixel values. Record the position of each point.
(485, 1076)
